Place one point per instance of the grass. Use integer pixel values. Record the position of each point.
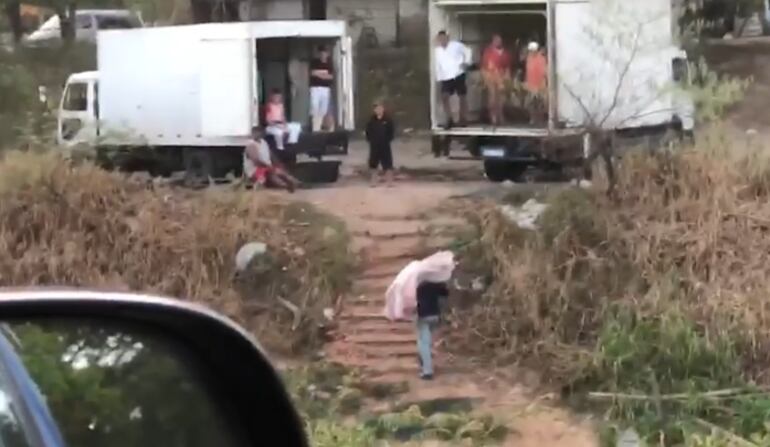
(332, 401)
(77, 225)
(660, 291)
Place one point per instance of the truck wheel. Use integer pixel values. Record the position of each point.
(439, 145)
(198, 166)
(473, 147)
(495, 170)
(498, 171)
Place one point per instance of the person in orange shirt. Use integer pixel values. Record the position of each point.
(536, 81)
(496, 70)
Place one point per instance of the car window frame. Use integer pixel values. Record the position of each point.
(201, 373)
(37, 422)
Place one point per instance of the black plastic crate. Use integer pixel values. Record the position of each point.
(327, 171)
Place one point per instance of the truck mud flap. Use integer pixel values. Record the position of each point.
(316, 172)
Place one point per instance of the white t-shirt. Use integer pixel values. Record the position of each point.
(450, 60)
(262, 151)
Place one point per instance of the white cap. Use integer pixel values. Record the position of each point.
(533, 46)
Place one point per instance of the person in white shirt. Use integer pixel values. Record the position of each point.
(452, 59)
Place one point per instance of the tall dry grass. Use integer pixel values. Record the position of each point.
(80, 226)
(689, 234)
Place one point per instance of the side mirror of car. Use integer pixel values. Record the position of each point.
(92, 369)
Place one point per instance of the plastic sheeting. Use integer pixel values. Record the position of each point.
(401, 296)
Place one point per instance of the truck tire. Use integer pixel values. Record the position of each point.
(198, 166)
(439, 145)
(498, 171)
(495, 170)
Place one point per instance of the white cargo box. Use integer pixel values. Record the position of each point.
(202, 85)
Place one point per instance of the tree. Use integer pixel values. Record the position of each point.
(204, 11)
(615, 80)
(12, 11)
(109, 385)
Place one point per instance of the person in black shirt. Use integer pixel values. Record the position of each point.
(428, 315)
(321, 81)
(380, 131)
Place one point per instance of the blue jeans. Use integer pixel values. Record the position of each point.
(425, 327)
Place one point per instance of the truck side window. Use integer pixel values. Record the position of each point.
(76, 97)
(680, 68)
(96, 100)
(83, 21)
(111, 22)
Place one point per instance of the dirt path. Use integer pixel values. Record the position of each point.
(390, 227)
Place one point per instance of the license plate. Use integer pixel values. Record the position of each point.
(493, 152)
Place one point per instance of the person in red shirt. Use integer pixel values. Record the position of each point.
(496, 71)
(536, 81)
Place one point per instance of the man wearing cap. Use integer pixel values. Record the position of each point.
(452, 58)
(536, 80)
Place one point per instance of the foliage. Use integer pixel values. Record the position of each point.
(711, 93)
(24, 121)
(660, 291)
(117, 386)
(77, 225)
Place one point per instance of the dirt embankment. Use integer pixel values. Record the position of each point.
(81, 226)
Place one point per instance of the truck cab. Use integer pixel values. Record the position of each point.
(78, 118)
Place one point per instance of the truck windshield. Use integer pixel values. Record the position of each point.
(76, 97)
(117, 22)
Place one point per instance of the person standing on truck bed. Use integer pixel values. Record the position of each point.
(321, 80)
(536, 82)
(452, 59)
(277, 127)
(496, 71)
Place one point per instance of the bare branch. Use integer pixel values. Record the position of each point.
(623, 74)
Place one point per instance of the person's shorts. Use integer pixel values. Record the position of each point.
(261, 174)
(381, 157)
(455, 86)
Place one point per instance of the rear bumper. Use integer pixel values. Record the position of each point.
(318, 144)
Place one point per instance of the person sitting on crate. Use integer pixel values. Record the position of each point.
(277, 126)
(261, 168)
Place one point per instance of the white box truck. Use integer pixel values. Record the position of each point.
(611, 65)
(188, 96)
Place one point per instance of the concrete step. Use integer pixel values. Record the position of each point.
(380, 326)
(379, 229)
(370, 299)
(366, 286)
(344, 349)
(382, 338)
(383, 268)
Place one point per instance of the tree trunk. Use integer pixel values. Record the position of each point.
(13, 14)
(67, 22)
(201, 11)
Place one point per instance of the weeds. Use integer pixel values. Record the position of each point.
(326, 393)
(81, 226)
(659, 293)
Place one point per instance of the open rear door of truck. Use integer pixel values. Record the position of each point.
(613, 62)
(345, 93)
(226, 87)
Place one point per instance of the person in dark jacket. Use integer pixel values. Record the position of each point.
(380, 131)
(429, 295)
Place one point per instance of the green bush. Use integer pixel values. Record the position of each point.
(23, 119)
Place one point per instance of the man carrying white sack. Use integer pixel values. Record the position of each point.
(417, 291)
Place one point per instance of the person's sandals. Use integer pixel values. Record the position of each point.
(426, 377)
